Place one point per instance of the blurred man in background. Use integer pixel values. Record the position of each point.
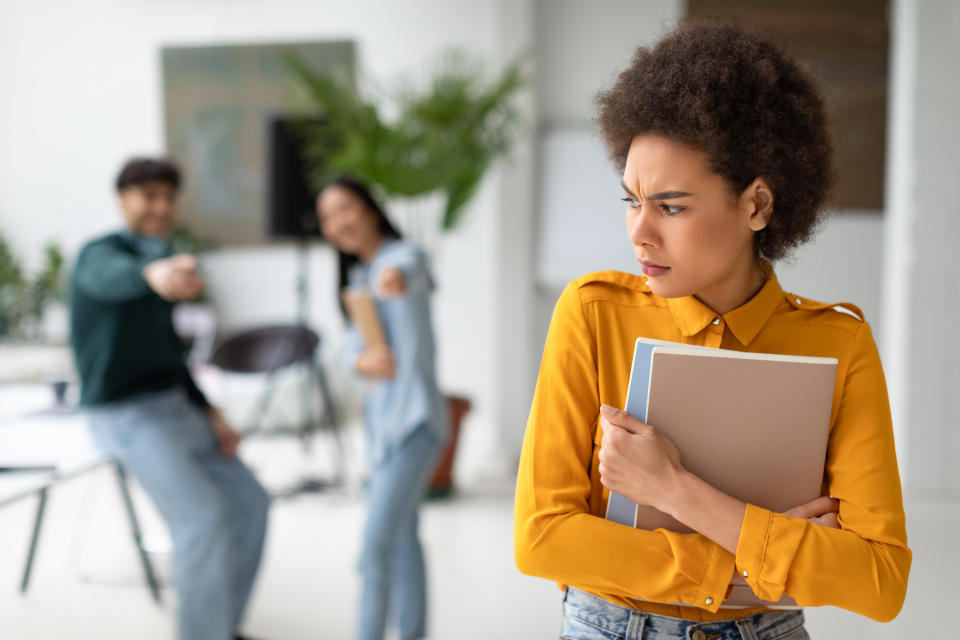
(146, 411)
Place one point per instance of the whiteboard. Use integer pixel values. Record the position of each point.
(581, 221)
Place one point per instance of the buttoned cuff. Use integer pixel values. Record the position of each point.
(766, 548)
(716, 579)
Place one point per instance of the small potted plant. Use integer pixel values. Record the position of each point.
(12, 283)
(24, 301)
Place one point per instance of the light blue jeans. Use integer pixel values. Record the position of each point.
(215, 509)
(392, 570)
(588, 617)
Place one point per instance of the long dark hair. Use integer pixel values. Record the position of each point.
(346, 261)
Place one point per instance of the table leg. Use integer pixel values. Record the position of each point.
(137, 537)
(41, 507)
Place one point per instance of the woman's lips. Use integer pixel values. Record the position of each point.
(652, 269)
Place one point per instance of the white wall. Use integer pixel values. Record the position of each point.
(922, 278)
(842, 263)
(513, 346)
(582, 46)
(82, 91)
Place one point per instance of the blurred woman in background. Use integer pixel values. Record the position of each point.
(404, 413)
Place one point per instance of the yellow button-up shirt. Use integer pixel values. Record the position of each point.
(559, 529)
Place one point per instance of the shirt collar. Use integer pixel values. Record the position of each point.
(745, 322)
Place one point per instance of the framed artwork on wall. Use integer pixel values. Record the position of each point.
(218, 104)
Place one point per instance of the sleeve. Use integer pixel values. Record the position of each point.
(413, 263)
(110, 275)
(863, 565)
(555, 535)
(194, 394)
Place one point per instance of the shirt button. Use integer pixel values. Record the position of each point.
(716, 321)
(799, 301)
(745, 575)
(709, 600)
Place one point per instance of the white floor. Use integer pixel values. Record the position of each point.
(87, 583)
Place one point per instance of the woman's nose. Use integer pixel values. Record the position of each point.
(641, 230)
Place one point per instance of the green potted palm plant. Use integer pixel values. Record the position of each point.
(438, 147)
(443, 139)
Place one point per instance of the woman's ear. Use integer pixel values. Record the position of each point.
(756, 202)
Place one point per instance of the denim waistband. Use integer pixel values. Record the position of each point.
(634, 624)
(156, 396)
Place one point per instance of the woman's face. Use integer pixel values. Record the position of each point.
(690, 232)
(346, 221)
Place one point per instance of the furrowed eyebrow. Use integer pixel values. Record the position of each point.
(668, 195)
(663, 195)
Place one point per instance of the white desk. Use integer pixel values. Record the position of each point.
(35, 363)
(42, 446)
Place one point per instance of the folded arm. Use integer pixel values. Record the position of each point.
(862, 566)
(857, 560)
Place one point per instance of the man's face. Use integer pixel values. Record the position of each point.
(150, 209)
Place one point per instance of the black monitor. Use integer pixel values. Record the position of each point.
(291, 211)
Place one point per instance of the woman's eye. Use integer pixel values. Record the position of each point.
(633, 202)
(670, 209)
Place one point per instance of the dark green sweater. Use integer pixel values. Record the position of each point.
(121, 331)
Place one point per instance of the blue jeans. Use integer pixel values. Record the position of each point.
(392, 571)
(215, 509)
(588, 617)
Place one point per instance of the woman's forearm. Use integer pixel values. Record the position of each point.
(640, 463)
(706, 510)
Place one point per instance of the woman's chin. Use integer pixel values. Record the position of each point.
(348, 246)
(663, 288)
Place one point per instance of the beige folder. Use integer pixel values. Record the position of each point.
(363, 314)
(754, 426)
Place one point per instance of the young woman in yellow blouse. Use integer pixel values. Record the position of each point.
(726, 163)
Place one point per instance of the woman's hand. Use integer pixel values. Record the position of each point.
(392, 283)
(227, 437)
(637, 461)
(377, 362)
(822, 511)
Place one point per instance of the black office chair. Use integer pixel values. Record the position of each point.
(269, 350)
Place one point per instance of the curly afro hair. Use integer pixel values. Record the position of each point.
(739, 99)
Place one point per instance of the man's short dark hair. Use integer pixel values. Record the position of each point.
(137, 172)
(737, 97)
